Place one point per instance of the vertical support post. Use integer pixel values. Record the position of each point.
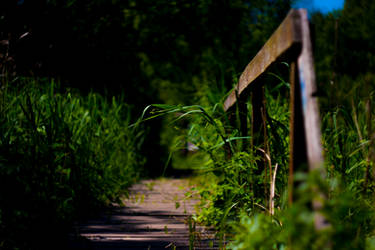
(306, 75)
(267, 155)
(257, 97)
(257, 130)
(242, 121)
(231, 124)
(298, 156)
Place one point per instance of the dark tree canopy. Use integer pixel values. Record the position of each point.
(345, 50)
(137, 46)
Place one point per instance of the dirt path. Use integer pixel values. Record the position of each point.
(155, 216)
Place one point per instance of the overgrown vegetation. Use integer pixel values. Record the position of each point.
(62, 153)
(235, 192)
(62, 156)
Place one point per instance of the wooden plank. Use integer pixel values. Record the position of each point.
(150, 220)
(310, 112)
(283, 39)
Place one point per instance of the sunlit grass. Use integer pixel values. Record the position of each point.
(63, 156)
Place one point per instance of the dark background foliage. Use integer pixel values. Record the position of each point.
(126, 45)
(150, 51)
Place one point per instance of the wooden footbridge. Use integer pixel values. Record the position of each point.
(158, 217)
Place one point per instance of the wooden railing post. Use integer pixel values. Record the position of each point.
(310, 111)
(228, 128)
(242, 120)
(258, 131)
(297, 157)
(257, 97)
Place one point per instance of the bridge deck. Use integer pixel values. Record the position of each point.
(155, 216)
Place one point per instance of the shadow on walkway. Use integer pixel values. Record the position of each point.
(155, 216)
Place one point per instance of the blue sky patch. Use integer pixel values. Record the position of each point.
(323, 6)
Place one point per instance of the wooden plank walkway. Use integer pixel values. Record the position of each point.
(155, 216)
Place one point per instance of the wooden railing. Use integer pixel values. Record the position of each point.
(290, 42)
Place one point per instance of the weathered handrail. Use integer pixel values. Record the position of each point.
(291, 41)
(287, 36)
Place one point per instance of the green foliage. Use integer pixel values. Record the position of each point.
(350, 221)
(257, 232)
(344, 54)
(239, 184)
(165, 51)
(61, 153)
(236, 183)
(348, 139)
(234, 189)
(61, 156)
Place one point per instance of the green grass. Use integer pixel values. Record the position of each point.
(62, 156)
(347, 137)
(235, 192)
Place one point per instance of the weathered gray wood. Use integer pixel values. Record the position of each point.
(309, 101)
(150, 220)
(283, 39)
(310, 110)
